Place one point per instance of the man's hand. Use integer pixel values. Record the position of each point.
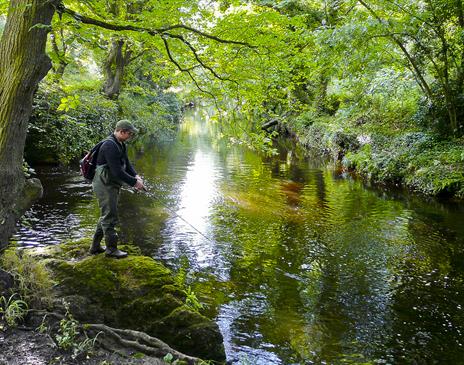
(139, 184)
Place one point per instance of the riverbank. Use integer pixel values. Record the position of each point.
(92, 308)
(421, 161)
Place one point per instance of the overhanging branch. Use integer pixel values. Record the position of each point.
(163, 32)
(152, 31)
(195, 54)
(187, 70)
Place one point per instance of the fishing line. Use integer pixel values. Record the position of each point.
(152, 195)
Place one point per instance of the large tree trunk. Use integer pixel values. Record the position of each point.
(114, 69)
(23, 63)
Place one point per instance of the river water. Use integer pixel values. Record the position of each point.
(298, 264)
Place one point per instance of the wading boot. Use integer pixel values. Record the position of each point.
(112, 248)
(96, 248)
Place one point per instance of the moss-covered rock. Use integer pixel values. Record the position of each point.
(136, 292)
(33, 190)
(186, 328)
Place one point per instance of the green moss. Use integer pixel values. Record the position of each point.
(183, 316)
(33, 281)
(136, 292)
(185, 328)
(110, 279)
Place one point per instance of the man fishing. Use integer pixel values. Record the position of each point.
(113, 170)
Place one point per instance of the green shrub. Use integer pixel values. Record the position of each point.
(438, 170)
(69, 120)
(319, 134)
(417, 160)
(32, 278)
(66, 123)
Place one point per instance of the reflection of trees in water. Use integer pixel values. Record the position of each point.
(66, 211)
(141, 221)
(267, 260)
(273, 253)
(292, 191)
(428, 323)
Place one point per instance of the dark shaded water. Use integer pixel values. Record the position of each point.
(301, 266)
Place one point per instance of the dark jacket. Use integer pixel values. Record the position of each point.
(114, 154)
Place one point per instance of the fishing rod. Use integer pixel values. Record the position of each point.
(152, 195)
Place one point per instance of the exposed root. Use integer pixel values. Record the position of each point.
(122, 341)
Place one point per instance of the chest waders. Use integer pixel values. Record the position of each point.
(106, 189)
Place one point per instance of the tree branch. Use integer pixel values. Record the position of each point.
(187, 70)
(141, 53)
(206, 35)
(152, 31)
(163, 33)
(171, 58)
(199, 60)
(400, 44)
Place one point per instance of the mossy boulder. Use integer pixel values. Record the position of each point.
(186, 328)
(136, 292)
(32, 191)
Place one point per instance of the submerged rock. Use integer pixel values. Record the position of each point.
(135, 293)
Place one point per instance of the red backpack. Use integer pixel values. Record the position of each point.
(88, 164)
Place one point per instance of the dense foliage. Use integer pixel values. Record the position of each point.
(367, 70)
(67, 121)
(376, 84)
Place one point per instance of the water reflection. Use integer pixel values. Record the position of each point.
(65, 212)
(298, 265)
(196, 196)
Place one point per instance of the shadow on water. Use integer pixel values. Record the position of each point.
(300, 265)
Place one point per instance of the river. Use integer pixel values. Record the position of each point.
(297, 263)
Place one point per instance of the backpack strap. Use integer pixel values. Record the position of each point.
(112, 140)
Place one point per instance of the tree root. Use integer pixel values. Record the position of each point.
(116, 339)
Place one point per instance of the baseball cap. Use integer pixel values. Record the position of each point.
(126, 124)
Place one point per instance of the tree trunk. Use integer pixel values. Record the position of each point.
(114, 69)
(23, 64)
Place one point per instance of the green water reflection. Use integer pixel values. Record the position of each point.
(304, 266)
(301, 265)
